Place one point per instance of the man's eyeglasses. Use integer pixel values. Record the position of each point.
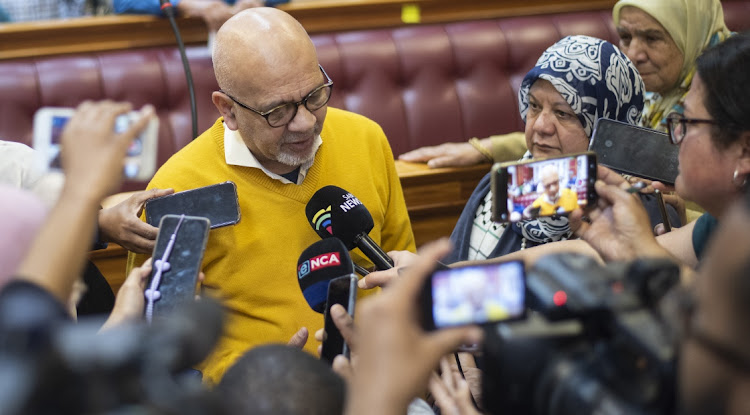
(283, 114)
(676, 119)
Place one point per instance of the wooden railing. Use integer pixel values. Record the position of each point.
(434, 199)
(90, 34)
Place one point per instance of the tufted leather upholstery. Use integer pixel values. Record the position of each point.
(424, 84)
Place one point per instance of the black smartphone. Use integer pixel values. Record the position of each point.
(183, 239)
(341, 290)
(542, 187)
(634, 150)
(476, 294)
(218, 203)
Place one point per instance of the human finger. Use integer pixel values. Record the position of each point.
(299, 339)
(345, 323)
(377, 278)
(420, 155)
(343, 367)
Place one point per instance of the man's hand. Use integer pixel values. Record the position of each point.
(214, 12)
(396, 355)
(382, 278)
(122, 223)
(445, 155)
(345, 323)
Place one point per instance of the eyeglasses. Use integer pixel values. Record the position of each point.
(283, 114)
(675, 135)
(680, 311)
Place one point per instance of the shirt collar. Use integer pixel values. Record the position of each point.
(236, 153)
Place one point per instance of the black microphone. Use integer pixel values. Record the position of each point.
(332, 211)
(318, 265)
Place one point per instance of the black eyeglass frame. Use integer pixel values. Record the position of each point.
(676, 117)
(265, 114)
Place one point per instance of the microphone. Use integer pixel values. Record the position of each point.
(318, 265)
(332, 211)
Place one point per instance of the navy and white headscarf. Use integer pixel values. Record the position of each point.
(598, 81)
(595, 78)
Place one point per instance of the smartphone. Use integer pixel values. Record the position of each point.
(542, 187)
(634, 150)
(140, 160)
(341, 290)
(177, 282)
(477, 294)
(218, 203)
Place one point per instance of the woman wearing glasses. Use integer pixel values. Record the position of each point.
(714, 138)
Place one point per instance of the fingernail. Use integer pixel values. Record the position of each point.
(337, 312)
(361, 283)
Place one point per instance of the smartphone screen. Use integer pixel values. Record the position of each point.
(342, 290)
(481, 294)
(140, 160)
(217, 202)
(178, 280)
(547, 187)
(634, 150)
(56, 128)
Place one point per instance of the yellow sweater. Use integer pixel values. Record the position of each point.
(251, 266)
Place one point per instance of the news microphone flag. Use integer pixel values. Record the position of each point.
(334, 212)
(321, 262)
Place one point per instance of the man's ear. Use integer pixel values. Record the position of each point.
(225, 106)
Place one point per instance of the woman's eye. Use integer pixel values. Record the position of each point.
(563, 115)
(534, 106)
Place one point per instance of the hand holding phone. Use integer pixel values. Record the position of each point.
(176, 263)
(638, 151)
(482, 294)
(545, 187)
(218, 203)
(341, 290)
(140, 160)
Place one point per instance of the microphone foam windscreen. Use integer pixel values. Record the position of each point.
(318, 265)
(332, 211)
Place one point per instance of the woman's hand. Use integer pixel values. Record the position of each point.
(445, 155)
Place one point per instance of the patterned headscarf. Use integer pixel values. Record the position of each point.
(595, 78)
(694, 25)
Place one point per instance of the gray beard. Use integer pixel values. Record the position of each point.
(295, 160)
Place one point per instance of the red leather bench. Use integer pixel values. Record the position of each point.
(424, 84)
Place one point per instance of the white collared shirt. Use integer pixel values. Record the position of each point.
(236, 153)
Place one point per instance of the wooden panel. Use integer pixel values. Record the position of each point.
(94, 34)
(434, 200)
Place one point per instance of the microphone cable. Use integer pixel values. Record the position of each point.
(168, 10)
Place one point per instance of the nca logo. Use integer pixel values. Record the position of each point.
(330, 259)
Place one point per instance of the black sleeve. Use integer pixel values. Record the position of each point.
(28, 315)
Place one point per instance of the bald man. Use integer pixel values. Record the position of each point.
(279, 142)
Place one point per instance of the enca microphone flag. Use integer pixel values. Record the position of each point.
(321, 262)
